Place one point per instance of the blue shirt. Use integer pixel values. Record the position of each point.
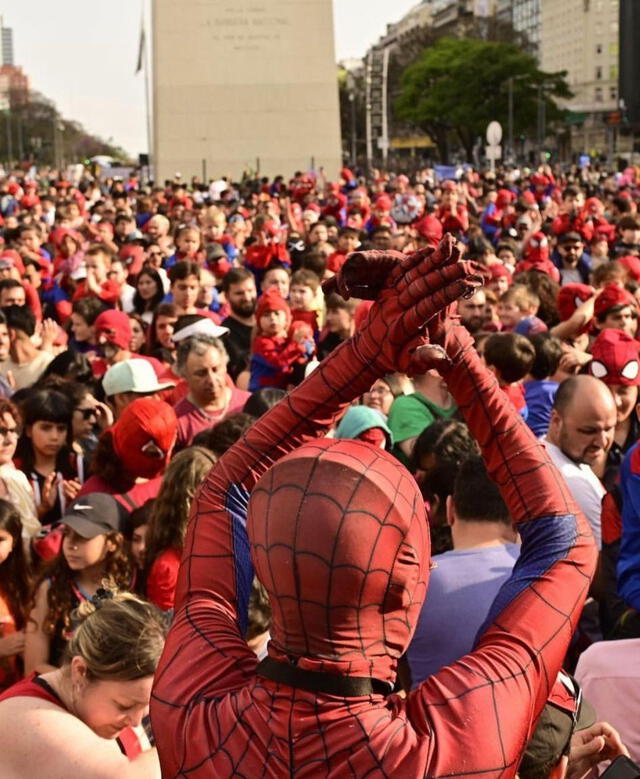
(539, 396)
(461, 591)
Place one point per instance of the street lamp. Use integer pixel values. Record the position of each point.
(510, 80)
(351, 86)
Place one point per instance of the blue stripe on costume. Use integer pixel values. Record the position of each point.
(545, 541)
(237, 503)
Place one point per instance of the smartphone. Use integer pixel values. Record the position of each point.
(622, 768)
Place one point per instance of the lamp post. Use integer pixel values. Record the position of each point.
(510, 121)
(542, 120)
(351, 86)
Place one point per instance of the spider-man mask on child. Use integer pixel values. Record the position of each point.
(340, 541)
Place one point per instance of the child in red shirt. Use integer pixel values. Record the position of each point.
(278, 345)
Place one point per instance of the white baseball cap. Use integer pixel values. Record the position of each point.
(135, 375)
(201, 326)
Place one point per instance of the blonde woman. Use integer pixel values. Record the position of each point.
(64, 723)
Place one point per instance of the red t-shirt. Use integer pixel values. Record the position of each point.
(137, 496)
(163, 577)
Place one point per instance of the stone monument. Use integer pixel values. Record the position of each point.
(244, 85)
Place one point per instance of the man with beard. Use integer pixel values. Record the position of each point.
(583, 422)
(202, 363)
(239, 287)
(472, 311)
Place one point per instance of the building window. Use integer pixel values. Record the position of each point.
(613, 73)
(598, 95)
(598, 72)
(613, 93)
(598, 48)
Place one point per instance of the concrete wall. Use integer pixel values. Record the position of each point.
(235, 81)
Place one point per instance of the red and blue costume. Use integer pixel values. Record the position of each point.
(338, 535)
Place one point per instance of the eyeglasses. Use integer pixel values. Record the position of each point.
(380, 391)
(87, 413)
(5, 432)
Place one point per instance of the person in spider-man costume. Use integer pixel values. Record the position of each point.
(338, 536)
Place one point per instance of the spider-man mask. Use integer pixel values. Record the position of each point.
(340, 541)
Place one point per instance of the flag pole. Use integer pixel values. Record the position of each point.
(143, 64)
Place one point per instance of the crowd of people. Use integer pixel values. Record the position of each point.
(155, 339)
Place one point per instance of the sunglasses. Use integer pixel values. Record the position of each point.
(87, 413)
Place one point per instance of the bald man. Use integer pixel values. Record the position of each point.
(580, 434)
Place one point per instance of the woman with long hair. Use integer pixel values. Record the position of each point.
(159, 337)
(149, 293)
(61, 723)
(15, 589)
(168, 523)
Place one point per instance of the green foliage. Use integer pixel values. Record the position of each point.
(460, 85)
(39, 134)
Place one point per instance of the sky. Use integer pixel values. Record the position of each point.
(82, 55)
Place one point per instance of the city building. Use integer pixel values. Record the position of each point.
(7, 46)
(582, 38)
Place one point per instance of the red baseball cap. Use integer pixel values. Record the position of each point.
(144, 436)
(430, 228)
(612, 295)
(115, 326)
(383, 202)
(615, 358)
(498, 271)
(631, 264)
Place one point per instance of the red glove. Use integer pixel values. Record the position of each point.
(409, 290)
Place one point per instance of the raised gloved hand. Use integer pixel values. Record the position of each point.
(409, 291)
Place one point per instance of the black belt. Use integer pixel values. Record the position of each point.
(319, 681)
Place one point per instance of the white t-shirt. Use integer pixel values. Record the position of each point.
(584, 485)
(126, 298)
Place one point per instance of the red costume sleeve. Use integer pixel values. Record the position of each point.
(481, 710)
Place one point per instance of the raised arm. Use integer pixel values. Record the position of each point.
(496, 693)
(206, 652)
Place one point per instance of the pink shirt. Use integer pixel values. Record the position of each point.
(192, 420)
(609, 674)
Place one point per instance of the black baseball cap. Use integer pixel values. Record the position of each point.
(93, 514)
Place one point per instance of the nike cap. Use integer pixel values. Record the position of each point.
(93, 515)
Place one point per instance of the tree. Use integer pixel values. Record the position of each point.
(40, 135)
(457, 86)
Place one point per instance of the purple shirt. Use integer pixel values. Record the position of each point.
(461, 590)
